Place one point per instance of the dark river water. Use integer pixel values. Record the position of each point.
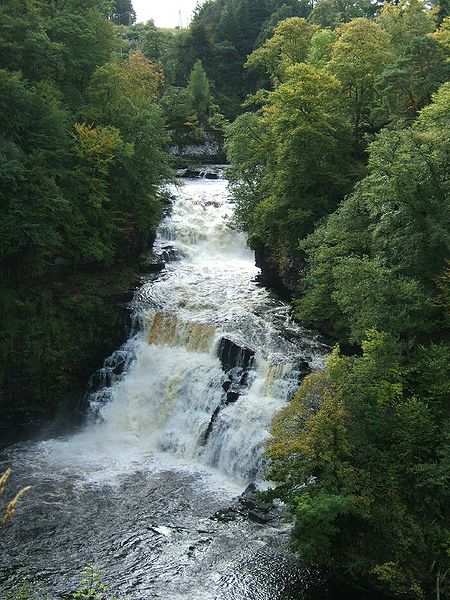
(174, 437)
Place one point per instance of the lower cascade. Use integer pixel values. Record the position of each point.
(179, 417)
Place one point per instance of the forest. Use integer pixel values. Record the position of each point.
(335, 119)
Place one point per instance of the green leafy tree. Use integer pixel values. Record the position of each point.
(121, 96)
(359, 54)
(391, 234)
(321, 47)
(88, 41)
(82, 158)
(222, 34)
(306, 126)
(123, 12)
(442, 35)
(286, 11)
(246, 143)
(199, 90)
(291, 162)
(156, 43)
(331, 13)
(181, 118)
(288, 45)
(406, 20)
(34, 147)
(354, 454)
(408, 84)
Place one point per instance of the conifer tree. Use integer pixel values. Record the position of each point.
(199, 89)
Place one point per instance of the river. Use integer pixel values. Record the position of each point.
(176, 432)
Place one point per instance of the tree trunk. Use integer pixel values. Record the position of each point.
(438, 584)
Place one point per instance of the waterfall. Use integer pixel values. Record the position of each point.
(211, 365)
(179, 418)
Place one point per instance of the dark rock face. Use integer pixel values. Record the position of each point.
(226, 385)
(89, 308)
(285, 280)
(153, 263)
(169, 253)
(189, 174)
(236, 362)
(304, 369)
(231, 355)
(232, 397)
(211, 423)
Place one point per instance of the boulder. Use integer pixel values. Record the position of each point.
(232, 397)
(249, 506)
(232, 355)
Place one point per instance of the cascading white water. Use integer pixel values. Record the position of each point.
(166, 400)
(179, 420)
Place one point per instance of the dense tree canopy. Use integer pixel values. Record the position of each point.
(391, 234)
(350, 142)
(82, 157)
(71, 129)
(363, 463)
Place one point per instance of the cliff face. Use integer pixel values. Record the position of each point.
(55, 334)
(279, 269)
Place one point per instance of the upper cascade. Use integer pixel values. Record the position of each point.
(169, 330)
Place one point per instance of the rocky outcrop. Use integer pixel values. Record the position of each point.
(210, 172)
(152, 263)
(211, 150)
(231, 355)
(250, 506)
(236, 362)
(56, 335)
(282, 275)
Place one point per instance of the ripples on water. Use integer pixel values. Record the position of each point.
(136, 491)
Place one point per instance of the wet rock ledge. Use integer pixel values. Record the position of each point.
(249, 506)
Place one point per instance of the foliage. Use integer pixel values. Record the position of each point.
(442, 35)
(222, 34)
(319, 53)
(246, 144)
(123, 13)
(27, 590)
(91, 586)
(391, 236)
(291, 161)
(408, 83)
(331, 13)
(82, 157)
(11, 505)
(156, 45)
(199, 91)
(306, 127)
(352, 453)
(288, 45)
(406, 20)
(359, 53)
(191, 112)
(361, 455)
